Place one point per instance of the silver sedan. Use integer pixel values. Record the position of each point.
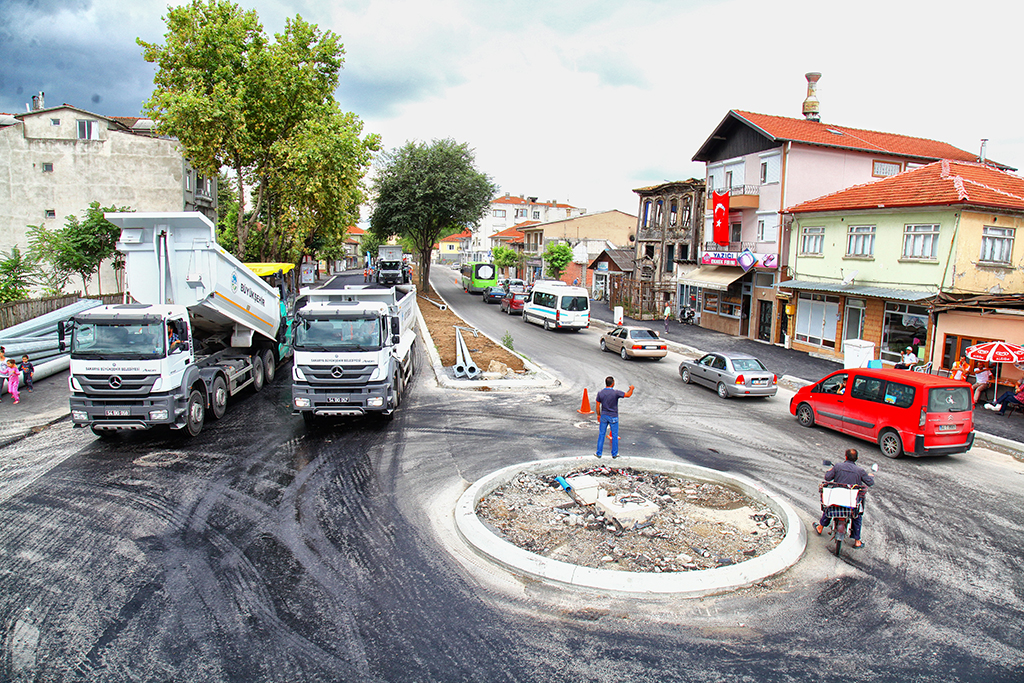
(730, 374)
(634, 342)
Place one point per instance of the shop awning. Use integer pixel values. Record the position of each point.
(857, 290)
(265, 269)
(713, 277)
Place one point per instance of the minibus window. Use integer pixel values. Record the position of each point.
(899, 395)
(949, 400)
(574, 303)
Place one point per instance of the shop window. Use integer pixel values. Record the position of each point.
(904, 325)
(711, 302)
(954, 346)
(817, 317)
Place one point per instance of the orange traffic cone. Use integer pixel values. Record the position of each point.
(585, 406)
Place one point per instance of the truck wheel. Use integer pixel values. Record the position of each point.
(269, 366)
(195, 413)
(310, 419)
(219, 398)
(257, 373)
(105, 434)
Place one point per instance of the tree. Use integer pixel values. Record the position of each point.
(506, 257)
(15, 275)
(79, 247)
(557, 257)
(427, 191)
(369, 243)
(264, 109)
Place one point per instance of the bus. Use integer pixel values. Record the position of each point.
(478, 276)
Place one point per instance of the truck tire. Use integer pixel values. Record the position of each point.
(195, 413)
(269, 366)
(218, 398)
(257, 373)
(310, 418)
(105, 434)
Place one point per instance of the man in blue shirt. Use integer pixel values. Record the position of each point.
(608, 413)
(848, 473)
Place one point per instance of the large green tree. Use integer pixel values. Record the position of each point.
(265, 109)
(557, 257)
(506, 257)
(424, 192)
(79, 247)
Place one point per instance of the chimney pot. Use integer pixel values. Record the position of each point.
(811, 104)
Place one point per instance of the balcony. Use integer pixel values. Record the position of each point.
(740, 197)
(734, 247)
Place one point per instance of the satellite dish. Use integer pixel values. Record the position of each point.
(849, 278)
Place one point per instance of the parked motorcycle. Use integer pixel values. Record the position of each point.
(841, 503)
(688, 316)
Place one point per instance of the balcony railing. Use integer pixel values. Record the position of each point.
(740, 197)
(731, 246)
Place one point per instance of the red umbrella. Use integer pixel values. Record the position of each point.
(996, 352)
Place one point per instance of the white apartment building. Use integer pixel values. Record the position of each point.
(507, 211)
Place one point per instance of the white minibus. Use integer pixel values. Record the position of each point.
(556, 305)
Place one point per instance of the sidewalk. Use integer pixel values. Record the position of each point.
(1008, 431)
(46, 404)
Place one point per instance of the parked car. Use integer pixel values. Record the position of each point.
(731, 374)
(634, 342)
(903, 412)
(492, 295)
(513, 302)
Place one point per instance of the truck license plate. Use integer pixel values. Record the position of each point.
(118, 412)
(337, 399)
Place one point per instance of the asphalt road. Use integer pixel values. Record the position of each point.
(259, 551)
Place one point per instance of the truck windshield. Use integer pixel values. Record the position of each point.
(114, 341)
(339, 334)
(390, 265)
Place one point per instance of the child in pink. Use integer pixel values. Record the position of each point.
(11, 371)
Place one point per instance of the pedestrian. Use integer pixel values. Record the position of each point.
(27, 370)
(1014, 397)
(907, 360)
(10, 370)
(667, 314)
(960, 369)
(607, 405)
(982, 381)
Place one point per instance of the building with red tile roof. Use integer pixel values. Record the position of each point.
(868, 261)
(510, 210)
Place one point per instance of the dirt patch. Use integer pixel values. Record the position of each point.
(442, 330)
(699, 525)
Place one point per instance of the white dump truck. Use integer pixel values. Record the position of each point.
(202, 328)
(390, 265)
(355, 350)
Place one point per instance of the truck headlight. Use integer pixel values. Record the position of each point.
(79, 416)
(376, 402)
(301, 402)
(297, 374)
(158, 414)
(73, 384)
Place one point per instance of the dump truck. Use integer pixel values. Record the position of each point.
(200, 328)
(355, 350)
(390, 266)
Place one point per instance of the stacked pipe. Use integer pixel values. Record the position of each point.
(37, 338)
(464, 365)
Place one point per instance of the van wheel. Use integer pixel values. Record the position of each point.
(547, 325)
(891, 444)
(219, 398)
(195, 413)
(257, 373)
(805, 415)
(269, 366)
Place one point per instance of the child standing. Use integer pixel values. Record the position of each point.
(27, 370)
(11, 371)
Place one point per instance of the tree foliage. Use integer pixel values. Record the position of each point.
(369, 243)
(557, 257)
(79, 247)
(265, 109)
(16, 271)
(424, 192)
(506, 257)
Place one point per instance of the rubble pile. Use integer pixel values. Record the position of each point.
(698, 525)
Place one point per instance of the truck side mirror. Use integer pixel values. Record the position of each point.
(396, 327)
(60, 336)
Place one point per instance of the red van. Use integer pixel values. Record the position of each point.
(902, 411)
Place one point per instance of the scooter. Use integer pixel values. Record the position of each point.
(687, 316)
(842, 503)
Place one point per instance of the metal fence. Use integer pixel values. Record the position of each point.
(17, 312)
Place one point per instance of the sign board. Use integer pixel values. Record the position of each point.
(744, 259)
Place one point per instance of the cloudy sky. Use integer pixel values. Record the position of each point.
(579, 100)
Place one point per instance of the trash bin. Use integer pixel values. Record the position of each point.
(618, 315)
(857, 353)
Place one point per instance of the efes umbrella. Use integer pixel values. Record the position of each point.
(996, 352)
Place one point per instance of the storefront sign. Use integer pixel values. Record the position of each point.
(745, 259)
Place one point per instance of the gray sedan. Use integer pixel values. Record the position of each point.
(731, 374)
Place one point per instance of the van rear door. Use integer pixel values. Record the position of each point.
(949, 417)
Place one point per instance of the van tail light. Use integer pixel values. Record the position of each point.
(558, 315)
(924, 418)
(740, 380)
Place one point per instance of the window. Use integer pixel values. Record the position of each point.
(816, 318)
(729, 309)
(728, 179)
(764, 280)
(710, 182)
(812, 240)
(711, 301)
(996, 244)
(670, 257)
(764, 172)
(87, 130)
(903, 325)
(684, 252)
(673, 213)
(47, 167)
(647, 213)
(954, 346)
(861, 241)
(735, 232)
(649, 251)
(499, 213)
(658, 214)
(536, 215)
(771, 164)
(920, 241)
(884, 169)
(54, 122)
(520, 213)
(51, 213)
(686, 211)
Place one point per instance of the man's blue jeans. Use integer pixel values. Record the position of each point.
(605, 423)
(855, 525)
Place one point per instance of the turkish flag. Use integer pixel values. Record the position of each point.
(720, 202)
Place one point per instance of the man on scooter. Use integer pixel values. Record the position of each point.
(848, 473)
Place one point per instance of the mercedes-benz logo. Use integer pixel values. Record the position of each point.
(337, 372)
(114, 382)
